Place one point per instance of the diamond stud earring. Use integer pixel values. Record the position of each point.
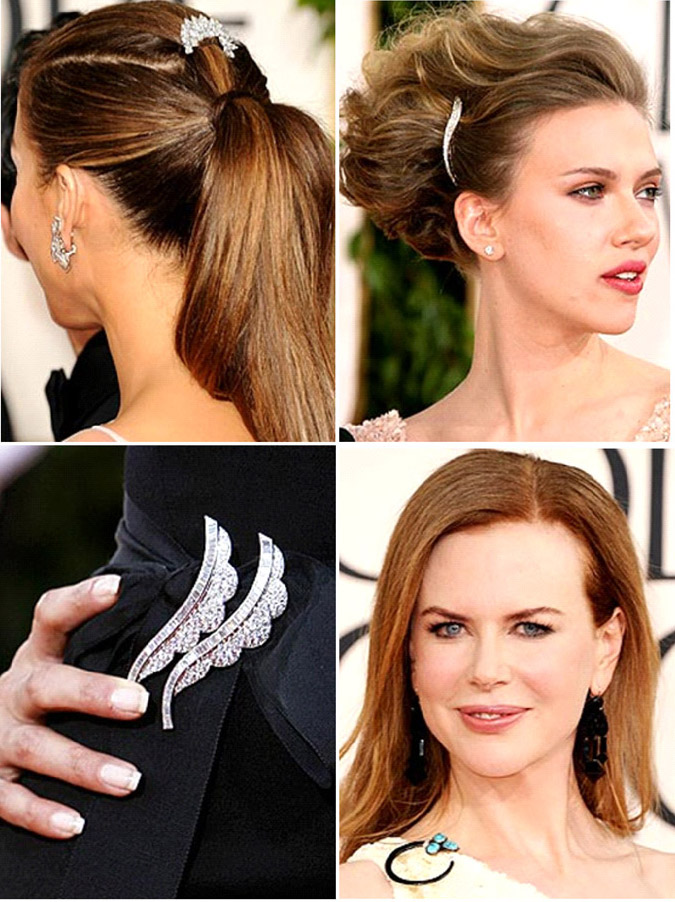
(489, 250)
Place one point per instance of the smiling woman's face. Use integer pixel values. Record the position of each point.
(503, 646)
(581, 209)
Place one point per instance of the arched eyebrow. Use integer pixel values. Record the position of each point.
(609, 174)
(516, 616)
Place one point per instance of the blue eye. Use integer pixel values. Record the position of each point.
(448, 630)
(592, 192)
(532, 630)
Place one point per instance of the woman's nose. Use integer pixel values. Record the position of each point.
(489, 665)
(638, 225)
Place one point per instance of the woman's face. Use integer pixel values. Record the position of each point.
(580, 226)
(503, 646)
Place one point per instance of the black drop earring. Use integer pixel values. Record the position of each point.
(416, 770)
(592, 737)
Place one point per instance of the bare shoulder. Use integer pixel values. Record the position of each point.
(648, 378)
(431, 424)
(659, 869)
(363, 880)
(90, 435)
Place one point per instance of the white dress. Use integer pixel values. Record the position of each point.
(468, 879)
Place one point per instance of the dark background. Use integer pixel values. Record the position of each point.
(57, 525)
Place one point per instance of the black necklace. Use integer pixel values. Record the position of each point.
(438, 843)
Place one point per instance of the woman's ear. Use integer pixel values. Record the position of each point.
(70, 192)
(608, 639)
(475, 218)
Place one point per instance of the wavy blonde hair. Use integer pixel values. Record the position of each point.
(508, 74)
(478, 489)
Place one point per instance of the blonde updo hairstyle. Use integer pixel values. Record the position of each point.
(507, 74)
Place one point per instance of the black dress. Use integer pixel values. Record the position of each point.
(237, 800)
(90, 396)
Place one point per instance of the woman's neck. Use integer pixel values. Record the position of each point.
(538, 376)
(159, 399)
(537, 814)
(528, 374)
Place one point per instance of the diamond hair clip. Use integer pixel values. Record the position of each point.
(198, 28)
(451, 125)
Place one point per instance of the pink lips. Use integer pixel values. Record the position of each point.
(626, 277)
(490, 718)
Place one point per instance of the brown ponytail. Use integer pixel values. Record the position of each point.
(207, 169)
(264, 174)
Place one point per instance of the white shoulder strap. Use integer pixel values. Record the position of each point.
(115, 436)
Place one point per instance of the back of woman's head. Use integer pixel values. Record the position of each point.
(475, 490)
(507, 75)
(236, 189)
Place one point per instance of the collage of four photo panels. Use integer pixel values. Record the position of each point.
(240, 658)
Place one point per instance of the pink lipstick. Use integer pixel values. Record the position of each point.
(490, 718)
(627, 277)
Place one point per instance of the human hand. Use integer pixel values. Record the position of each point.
(38, 683)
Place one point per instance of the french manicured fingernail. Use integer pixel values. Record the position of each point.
(131, 700)
(106, 586)
(70, 824)
(120, 777)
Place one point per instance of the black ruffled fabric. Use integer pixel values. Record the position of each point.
(90, 396)
(165, 840)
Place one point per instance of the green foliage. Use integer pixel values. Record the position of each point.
(57, 525)
(393, 12)
(420, 341)
(325, 9)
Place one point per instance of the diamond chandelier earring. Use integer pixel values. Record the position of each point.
(60, 255)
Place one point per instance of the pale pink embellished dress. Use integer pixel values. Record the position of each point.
(390, 427)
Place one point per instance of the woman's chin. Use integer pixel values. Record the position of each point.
(71, 316)
(619, 320)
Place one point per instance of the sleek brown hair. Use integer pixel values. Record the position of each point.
(481, 488)
(507, 74)
(207, 169)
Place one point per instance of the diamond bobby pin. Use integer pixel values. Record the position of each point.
(451, 125)
(198, 28)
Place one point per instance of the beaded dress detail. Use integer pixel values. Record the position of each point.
(657, 427)
(390, 427)
(469, 878)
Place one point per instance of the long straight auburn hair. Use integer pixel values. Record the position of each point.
(482, 488)
(209, 170)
